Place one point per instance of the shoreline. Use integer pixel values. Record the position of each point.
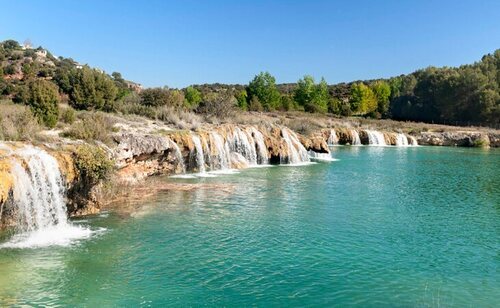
(145, 149)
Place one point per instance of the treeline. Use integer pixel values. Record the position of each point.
(468, 93)
(465, 94)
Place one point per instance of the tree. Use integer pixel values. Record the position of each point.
(362, 100)
(242, 98)
(313, 97)
(218, 104)
(90, 89)
(382, 91)
(153, 97)
(11, 44)
(192, 97)
(43, 98)
(263, 87)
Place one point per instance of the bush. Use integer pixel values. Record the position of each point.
(43, 98)
(93, 126)
(255, 105)
(67, 115)
(10, 69)
(93, 164)
(17, 123)
(220, 105)
(157, 97)
(178, 117)
(192, 97)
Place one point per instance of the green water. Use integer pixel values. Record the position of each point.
(379, 227)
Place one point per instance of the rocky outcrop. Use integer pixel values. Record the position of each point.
(461, 139)
(138, 156)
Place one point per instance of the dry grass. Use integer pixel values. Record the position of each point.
(17, 123)
(92, 126)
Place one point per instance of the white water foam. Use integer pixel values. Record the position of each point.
(333, 139)
(401, 140)
(355, 137)
(297, 153)
(321, 157)
(375, 138)
(413, 142)
(260, 145)
(38, 202)
(197, 153)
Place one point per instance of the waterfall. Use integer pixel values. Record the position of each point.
(355, 137)
(260, 145)
(223, 155)
(375, 138)
(38, 202)
(240, 143)
(38, 191)
(332, 139)
(401, 140)
(197, 154)
(296, 151)
(413, 141)
(323, 157)
(178, 156)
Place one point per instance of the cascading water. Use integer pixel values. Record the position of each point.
(178, 156)
(197, 154)
(355, 137)
(260, 145)
(222, 159)
(375, 138)
(296, 151)
(243, 144)
(401, 140)
(333, 139)
(413, 141)
(38, 202)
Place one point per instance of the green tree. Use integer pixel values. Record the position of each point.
(382, 91)
(43, 98)
(153, 97)
(362, 100)
(192, 97)
(11, 44)
(90, 89)
(242, 98)
(263, 87)
(312, 97)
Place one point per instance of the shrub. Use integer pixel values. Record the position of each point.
(255, 105)
(93, 164)
(93, 126)
(43, 98)
(192, 97)
(10, 69)
(162, 97)
(17, 123)
(221, 105)
(178, 117)
(68, 115)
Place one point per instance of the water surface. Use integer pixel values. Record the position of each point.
(381, 226)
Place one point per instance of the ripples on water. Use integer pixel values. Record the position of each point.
(382, 226)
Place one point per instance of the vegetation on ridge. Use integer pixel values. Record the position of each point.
(35, 78)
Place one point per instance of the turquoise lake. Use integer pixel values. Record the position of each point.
(382, 226)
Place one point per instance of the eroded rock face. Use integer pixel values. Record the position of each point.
(461, 139)
(138, 156)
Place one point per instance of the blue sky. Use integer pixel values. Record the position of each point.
(178, 43)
